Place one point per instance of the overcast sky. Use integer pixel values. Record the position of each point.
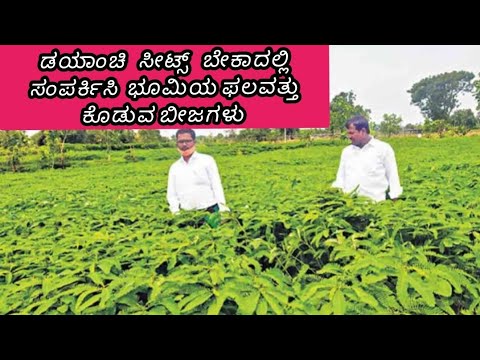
(380, 75)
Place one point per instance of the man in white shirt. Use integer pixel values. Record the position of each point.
(368, 165)
(193, 180)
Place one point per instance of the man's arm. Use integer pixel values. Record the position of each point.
(340, 180)
(391, 171)
(216, 184)
(172, 198)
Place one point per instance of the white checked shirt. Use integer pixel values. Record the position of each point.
(195, 185)
(372, 168)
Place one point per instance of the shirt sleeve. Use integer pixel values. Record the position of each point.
(391, 171)
(216, 185)
(340, 180)
(172, 197)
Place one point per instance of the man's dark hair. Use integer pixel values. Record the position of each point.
(359, 122)
(186, 131)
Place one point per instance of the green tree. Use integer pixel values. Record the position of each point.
(437, 96)
(15, 144)
(464, 118)
(413, 128)
(109, 138)
(232, 134)
(342, 108)
(476, 92)
(289, 133)
(54, 141)
(390, 124)
(438, 126)
(307, 134)
(149, 136)
(77, 137)
(126, 136)
(254, 134)
(38, 138)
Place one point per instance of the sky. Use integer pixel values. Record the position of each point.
(380, 75)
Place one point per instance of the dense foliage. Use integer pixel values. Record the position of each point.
(97, 236)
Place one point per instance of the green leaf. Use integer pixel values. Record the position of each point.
(68, 299)
(216, 305)
(365, 297)
(45, 305)
(280, 294)
(128, 287)
(262, 307)
(451, 276)
(402, 289)
(92, 300)
(96, 278)
(339, 304)
(50, 285)
(423, 289)
(193, 252)
(130, 300)
(445, 307)
(157, 310)
(372, 279)
(47, 286)
(331, 268)
(217, 274)
(106, 265)
(313, 215)
(442, 287)
(8, 277)
(62, 309)
(275, 274)
(79, 306)
(172, 262)
(310, 290)
(326, 309)
(247, 304)
(320, 296)
(273, 303)
(247, 264)
(194, 300)
(200, 300)
(106, 296)
(171, 306)
(157, 288)
(27, 283)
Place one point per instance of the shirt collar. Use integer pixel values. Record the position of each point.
(372, 142)
(193, 157)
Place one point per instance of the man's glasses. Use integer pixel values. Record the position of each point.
(184, 141)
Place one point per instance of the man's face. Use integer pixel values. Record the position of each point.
(356, 137)
(184, 141)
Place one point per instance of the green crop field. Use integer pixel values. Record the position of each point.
(97, 237)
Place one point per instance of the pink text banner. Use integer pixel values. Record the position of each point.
(67, 87)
